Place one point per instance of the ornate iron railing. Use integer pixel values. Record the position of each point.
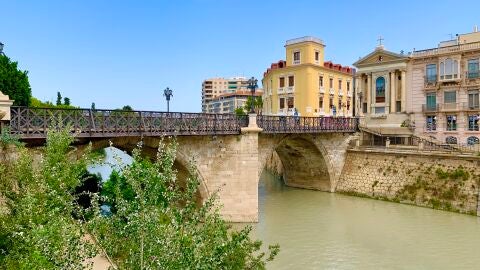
(32, 123)
(293, 124)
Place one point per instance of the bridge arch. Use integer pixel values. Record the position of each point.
(305, 161)
(308, 160)
(182, 163)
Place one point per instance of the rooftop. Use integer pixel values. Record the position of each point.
(304, 39)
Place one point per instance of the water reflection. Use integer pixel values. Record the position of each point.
(318, 230)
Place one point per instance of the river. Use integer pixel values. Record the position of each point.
(320, 230)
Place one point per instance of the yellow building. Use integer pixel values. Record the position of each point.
(306, 83)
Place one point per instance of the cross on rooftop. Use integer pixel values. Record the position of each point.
(380, 39)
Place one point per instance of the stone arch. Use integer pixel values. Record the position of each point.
(149, 150)
(305, 161)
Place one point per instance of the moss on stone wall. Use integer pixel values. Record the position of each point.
(442, 182)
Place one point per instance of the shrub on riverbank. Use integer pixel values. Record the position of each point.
(160, 227)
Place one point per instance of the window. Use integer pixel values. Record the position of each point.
(431, 101)
(282, 103)
(473, 70)
(431, 73)
(448, 69)
(317, 56)
(291, 81)
(348, 105)
(431, 124)
(473, 122)
(282, 82)
(296, 58)
(339, 84)
(348, 86)
(365, 108)
(473, 140)
(339, 104)
(399, 106)
(450, 97)
(451, 122)
(320, 102)
(380, 90)
(290, 102)
(330, 102)
(451, 140)
(473, 100)
(320, 81)
(331, 82)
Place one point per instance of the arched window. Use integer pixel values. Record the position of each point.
(473, 140)
(380, 90)
(448, 69)
(451, 140)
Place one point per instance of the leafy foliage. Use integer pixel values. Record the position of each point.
(14, 82)
(240, 111)
(8, 139)
(59, 99)
(257, 104)
(165, 226)
(36, 103)
(37, 230)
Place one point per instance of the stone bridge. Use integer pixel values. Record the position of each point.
(229, 152)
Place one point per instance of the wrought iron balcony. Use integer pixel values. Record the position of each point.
(430, 107)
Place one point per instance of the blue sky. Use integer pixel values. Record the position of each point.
(115, 53)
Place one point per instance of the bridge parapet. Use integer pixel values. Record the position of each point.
(297, 124)
(33, 123)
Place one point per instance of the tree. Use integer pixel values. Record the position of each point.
(257, 104)
(127, 108)
(14, 82)
(37, 228)
(165, 226)
(93, 106)
(66, 101)
(59, 99)
(240, 111)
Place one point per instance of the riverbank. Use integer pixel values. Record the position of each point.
(439, 181)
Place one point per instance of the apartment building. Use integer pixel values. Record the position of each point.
(215, 87)
(307, 83)
(227, 103)
(444, 90)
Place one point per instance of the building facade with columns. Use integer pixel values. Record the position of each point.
(381, 93)
(445, 89)
(307, 83)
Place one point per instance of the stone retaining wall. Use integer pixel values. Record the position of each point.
(441, 181)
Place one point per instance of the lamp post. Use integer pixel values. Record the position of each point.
(1, 48)
(252, 85)
(168, 93)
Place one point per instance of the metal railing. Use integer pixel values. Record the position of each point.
(33, 123)
(446, 49)
(297, 124)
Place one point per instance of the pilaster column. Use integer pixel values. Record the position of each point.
(404, 92)
(392, 92)
(369, 93)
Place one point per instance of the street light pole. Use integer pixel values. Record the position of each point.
(1, 48)
(168, 93)
(252, 85)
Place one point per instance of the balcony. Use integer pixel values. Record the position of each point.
(447, 49)
(332, 91)
(290, 89)
(471, 106)
(281, 90)
(450, 77)
(340, 93)
(349, 93)
(450, 107)
(321, 89)
(472, 74)
(430, 127)
(430, 108)
(430, 82)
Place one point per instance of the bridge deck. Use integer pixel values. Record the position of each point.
(34, 123)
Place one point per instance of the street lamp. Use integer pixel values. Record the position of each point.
(168, 93)
(1, 48)
(252, 85)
